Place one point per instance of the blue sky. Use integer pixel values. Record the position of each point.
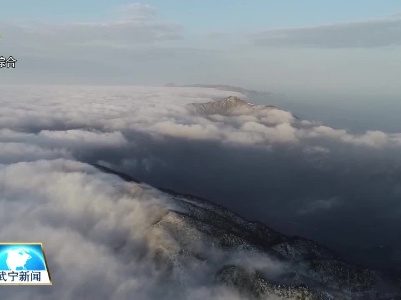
(226, 15)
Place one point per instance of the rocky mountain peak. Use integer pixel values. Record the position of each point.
(231, 105)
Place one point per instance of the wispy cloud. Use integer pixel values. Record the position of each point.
(373, 33)
(138, 11)
(137, 25)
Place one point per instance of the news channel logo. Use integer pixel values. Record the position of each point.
(23, 264)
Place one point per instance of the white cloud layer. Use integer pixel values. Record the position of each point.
(98, 117)
(94, 225)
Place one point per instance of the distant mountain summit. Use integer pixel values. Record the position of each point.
(231, 105)
(225, 87)
(230, 88)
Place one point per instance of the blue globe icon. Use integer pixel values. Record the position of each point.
(21, 257)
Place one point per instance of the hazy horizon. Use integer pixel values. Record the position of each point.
(329, 47)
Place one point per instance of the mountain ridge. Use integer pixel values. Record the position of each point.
(315, 271)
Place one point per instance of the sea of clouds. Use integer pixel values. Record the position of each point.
(298, 176)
